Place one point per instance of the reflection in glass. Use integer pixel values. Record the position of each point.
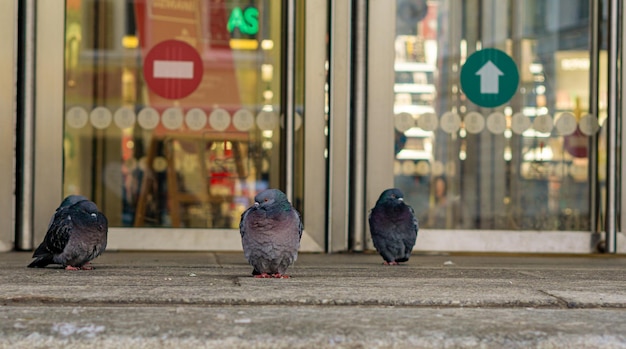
(172, 108)
(521, 165)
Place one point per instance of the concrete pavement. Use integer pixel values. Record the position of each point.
(194, 300)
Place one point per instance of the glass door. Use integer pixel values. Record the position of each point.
(494, 138)
(174, 115)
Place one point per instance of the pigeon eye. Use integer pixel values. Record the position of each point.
(266, 200)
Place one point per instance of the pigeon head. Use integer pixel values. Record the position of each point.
(88, 207)
(72, 199)
(88, 213)
(390, 195)
(271, 198)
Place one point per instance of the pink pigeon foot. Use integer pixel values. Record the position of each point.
(390, 263)
(84, 267)
(280, 276)
(263, 276)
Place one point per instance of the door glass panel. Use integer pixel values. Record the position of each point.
(172, 108)
(520, 164)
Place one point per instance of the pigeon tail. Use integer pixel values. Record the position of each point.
(41, 261)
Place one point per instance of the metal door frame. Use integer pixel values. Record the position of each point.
(8, 93)
(48, 144)
(378, 176)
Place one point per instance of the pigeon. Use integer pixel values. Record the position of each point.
(393, 226)
(77, 233)
(271, 230)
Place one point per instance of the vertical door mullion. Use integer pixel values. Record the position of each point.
(622, 106)
(315, 119)
(358, 150)
(594, 109)
(339, 125)
(380, 97)
(49, 115)
(288, 92)
(25, 126)
(612, 124)
(8, 60)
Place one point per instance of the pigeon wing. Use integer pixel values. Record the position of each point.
(409, 238)
(378, 237)
(300, 225)
(57, 236)
(242, 223)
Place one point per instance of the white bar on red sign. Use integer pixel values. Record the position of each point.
(173, 69)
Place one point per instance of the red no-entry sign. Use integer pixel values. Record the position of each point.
(173, 69)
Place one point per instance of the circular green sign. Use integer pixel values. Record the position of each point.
(489, 78)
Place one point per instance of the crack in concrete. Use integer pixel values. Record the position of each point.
(564, 303)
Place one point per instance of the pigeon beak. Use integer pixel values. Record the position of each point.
(256, 204)
(94, 215)
(401, 199)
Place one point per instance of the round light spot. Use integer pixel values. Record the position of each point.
(76, 117)
(450, 122)
(267, 120)
(403, 122)
(298, 121)
(543, 123)
(589, 125)
(219, 119)
(422, 168)
(565, 124)
(408, 168)
(520, 123)
(159, 164)
(148, 118)
(101, 118)
(243, 120)
(428, 122)
(474, 122)
(496, 123)
(437, 168)
(124, 117)
(196, 119)
(172, 118)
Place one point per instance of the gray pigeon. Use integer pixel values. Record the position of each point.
(393, 226)
(271, 230)
(77, 233)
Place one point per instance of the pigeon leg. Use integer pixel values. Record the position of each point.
(390, 263)
(84, 267)
(263, 276)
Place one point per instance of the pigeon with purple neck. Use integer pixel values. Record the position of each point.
(393, 226)
(77, 233)
(271, 230)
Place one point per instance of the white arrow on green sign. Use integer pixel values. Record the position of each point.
(489, 78)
